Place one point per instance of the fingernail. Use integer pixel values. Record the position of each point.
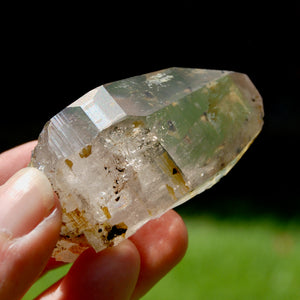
(25, 200)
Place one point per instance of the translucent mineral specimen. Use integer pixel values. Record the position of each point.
(128, 151)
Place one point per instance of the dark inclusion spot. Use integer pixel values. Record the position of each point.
(117, 199)
(120, 169)
(86, 152)
(205, 116)
(175, 171)
(238, 150)
(100, 230)
(116, 230)
(148, 94)
(171, 126)
(69, 163)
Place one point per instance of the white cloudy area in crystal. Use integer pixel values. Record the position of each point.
(128, 151)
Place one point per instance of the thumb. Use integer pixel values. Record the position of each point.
(30, 222)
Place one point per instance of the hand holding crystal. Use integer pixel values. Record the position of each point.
(30, 222)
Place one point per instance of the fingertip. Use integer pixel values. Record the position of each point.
(25, 200)
(178, 234)
(161, 236)
(109, 274)
(161, 243)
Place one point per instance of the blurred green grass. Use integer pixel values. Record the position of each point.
(228, 259)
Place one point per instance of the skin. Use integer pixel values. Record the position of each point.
(126, 271)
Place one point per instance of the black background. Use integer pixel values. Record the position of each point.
(52, 55)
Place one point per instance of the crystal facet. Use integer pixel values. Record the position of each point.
(128, 151)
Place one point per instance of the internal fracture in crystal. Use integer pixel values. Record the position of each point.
(128, 151)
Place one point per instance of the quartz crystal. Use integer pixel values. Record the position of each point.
(128, 151)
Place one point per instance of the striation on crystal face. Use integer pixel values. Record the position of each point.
(128, 151)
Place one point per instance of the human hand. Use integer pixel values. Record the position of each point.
(30, 220)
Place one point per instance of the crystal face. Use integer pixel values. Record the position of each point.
(128, 151)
